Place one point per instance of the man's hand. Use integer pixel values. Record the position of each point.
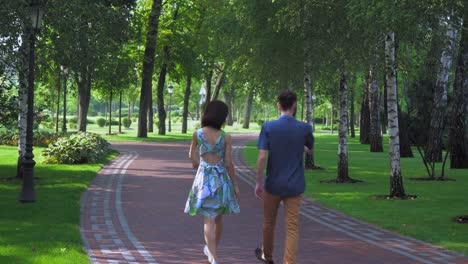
(258, 191)
(195, 165)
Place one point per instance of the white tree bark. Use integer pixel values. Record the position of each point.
(396, 181)
(434, 146)
(343, 175)
(23, 95)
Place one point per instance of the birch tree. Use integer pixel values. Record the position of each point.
(434, 142)
(396, 180)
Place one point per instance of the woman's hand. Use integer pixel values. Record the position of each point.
(236, 190)
(195, 164)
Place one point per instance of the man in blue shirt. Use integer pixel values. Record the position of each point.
(284, 142)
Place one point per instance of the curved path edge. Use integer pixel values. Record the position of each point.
(108, 236)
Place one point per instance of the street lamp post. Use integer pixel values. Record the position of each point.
(27, 194)
(170, 89)
(64, 121)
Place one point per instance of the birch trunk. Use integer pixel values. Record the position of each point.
(364, 120)
(148, 67)
(343, 175)
(396, 180)
(58, 103)
(188, 85)
(375, 136)
(309, 157)
(23, 73)
(434, 143)
(248, 110)
(459, 126)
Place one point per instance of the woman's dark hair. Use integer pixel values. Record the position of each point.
(287, 99)
(215, 114)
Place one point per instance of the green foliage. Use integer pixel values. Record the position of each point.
(126, 122)
(260, 122)
(44, 232)
(41, 138)
(76, 148)
(101, 121)
(73, 120)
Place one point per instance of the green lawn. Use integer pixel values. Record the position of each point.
(427, 218)
(130, 134)
(46, 231)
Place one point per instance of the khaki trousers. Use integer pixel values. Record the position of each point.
(292, 207)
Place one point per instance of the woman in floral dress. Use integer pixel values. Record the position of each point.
(214, 192)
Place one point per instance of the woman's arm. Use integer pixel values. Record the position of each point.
(193, 151)
(229, 164)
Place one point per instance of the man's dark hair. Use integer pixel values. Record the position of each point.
(215, 114)
(287, 99)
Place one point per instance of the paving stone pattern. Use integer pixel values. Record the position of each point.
(133, 213)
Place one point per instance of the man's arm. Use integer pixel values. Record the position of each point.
(261, 161)
(309, 138)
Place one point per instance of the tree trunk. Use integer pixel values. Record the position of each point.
(364, 120)
(396, 179)
(84, 97)
(58, 103)
(161, 82)
(248, 110)
(375, 136)
(148, 67)
(435, 142)
(343, 175)
(458, 129)
(332, 118)
(188, 84)
(352, 121)
(110, 112)
(64, 118)
(384, 111)
(23, 73)
(228, 101)
(150, 114)
(120, 111)
(405, 142)
(219, 84)
(208, 78)
(309, 161)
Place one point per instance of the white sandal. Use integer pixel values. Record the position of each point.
(207, 253)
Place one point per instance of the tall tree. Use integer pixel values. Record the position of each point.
(459, 128)
(396, 179)
(435, 140)
(148, 67)
(375, 135)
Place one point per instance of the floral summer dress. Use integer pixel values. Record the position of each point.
(212, 191)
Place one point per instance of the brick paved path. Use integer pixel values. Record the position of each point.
(133, 213)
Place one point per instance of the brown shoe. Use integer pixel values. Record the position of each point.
(259, 255)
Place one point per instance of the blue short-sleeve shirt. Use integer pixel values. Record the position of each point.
(284, 139)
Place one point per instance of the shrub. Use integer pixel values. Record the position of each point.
(76, 148)
(73, 126)
(40, 138)
(73, 120)
(260, 122)
(101, 121)
(126, 122)
(90, 121)
(113, 122)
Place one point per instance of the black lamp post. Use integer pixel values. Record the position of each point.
(27, 194)
(170, 89)
(64, 121)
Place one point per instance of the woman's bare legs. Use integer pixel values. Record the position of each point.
(210, 236)
(219, 229)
